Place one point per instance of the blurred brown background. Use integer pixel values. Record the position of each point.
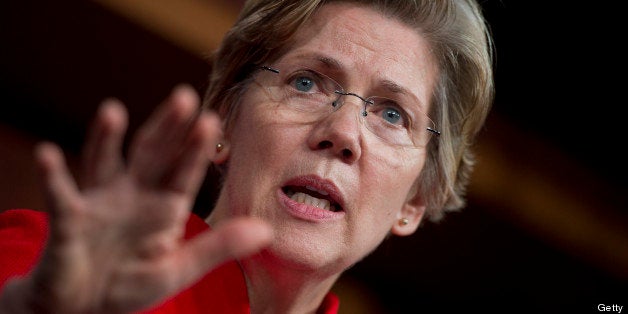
(546, 227)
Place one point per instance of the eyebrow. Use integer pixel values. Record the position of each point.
(395, 88)
(328, 62)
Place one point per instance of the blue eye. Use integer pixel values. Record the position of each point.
(303, 83)
(391, 115)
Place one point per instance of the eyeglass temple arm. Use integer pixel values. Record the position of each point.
(434, 131)
(267, 68)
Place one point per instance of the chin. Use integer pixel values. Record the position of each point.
(306, 255)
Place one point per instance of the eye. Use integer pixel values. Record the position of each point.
(310, 88)
(389, 111)
(303, 83)
(392, 115)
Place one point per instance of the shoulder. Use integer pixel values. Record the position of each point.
(23, 225)
(194, 226)
(23, 233)
(330, 304)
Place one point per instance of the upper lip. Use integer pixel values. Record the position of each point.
(319, 184)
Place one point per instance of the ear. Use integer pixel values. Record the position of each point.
(409, 217)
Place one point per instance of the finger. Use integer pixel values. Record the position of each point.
(160, 140)
(61, 192)
(142, 283)
(191, 167)
(102, 154)
(235, 239)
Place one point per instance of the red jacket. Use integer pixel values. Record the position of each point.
(223, 290)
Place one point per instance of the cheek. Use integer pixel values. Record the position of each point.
(258, 154)
(261, 143)
(396, 169)
(389, 177)
(262, 136)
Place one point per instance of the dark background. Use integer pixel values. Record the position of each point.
(545, 229)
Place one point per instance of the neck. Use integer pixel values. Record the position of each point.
(275, 287)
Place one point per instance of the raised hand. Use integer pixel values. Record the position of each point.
(116, 243)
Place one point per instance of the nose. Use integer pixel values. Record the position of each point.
(340, 131)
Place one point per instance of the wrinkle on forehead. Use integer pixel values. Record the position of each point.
(370, 45)
(348, 33)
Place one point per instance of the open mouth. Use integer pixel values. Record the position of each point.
(311, 196)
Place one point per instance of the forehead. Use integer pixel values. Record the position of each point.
(367, 47)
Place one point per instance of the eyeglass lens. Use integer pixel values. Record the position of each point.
(309, 95)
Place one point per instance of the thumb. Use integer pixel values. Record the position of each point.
(236, 238)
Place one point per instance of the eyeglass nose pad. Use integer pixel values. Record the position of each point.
(336, 104)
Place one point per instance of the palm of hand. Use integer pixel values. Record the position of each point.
(116, 245)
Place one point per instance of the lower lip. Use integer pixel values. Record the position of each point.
(307, 212)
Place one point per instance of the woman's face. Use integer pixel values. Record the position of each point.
(282, 171)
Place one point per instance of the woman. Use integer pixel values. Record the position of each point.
(338, 123)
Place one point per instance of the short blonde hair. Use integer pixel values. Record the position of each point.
(460, 42)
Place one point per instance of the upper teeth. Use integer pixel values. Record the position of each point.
(317, 191)
(311, 200)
